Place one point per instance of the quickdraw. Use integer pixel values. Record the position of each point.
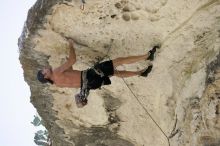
(83, 4)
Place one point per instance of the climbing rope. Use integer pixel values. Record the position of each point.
(151, 117)
(146, 111)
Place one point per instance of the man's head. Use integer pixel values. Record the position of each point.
(44, 75)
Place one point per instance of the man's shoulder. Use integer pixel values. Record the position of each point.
(57, 72)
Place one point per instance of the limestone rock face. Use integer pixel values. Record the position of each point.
(182, 93)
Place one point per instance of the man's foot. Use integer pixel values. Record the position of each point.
(147, 71)
(152, 52)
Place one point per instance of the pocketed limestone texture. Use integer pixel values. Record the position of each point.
(182, 92)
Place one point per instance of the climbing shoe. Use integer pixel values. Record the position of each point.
(152, 52)
(147, 71)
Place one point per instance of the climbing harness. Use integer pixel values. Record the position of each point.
(81, 98)
(86, 85)
(98, 71)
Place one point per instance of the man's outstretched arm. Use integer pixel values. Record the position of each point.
(71, 60)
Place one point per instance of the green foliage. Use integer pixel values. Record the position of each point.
(37, 121)
(41, 136)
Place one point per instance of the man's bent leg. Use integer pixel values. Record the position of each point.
(128, 60)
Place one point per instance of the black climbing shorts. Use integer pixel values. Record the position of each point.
(106, 67)
(96, 81)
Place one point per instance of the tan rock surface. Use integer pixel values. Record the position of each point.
(182, 93)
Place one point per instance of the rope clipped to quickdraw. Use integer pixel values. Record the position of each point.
(137, 97)
(106, 56)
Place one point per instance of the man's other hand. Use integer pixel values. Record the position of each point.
(71, 41)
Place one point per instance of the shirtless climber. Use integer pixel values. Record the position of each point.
(92, 78)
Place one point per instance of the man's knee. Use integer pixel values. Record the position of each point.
(116, 62)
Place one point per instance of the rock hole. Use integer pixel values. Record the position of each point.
(118, 5)
(126, 17)
(217, 108)
(113, 16)
(126, 9)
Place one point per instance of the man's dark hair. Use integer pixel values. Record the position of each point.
(41, 78)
